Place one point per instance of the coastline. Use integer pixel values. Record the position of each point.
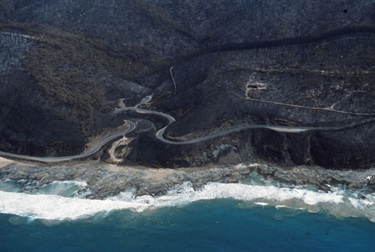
(106, 180)
(4, 162)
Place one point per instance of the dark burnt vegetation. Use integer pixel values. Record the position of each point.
(211, 65)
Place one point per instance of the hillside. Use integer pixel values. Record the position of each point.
(212, 66)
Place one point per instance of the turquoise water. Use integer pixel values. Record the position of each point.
(213, 225)
(257, 215)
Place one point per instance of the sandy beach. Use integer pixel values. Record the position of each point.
(4, 162)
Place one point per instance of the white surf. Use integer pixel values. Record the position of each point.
(52, 203)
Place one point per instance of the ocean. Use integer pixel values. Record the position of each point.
(256, 215)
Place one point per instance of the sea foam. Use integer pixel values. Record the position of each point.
(341, 203)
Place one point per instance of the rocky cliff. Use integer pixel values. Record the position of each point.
(306, 68)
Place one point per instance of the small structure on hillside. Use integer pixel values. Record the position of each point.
(255, 86)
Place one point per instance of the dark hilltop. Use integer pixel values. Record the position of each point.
(198, 82)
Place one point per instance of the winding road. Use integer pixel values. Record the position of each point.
(287, 129)
(83, 155)
(160, 134)
(228, 47)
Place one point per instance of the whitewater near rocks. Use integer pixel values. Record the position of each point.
(61, 201)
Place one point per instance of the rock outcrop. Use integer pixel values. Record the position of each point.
(105, 180)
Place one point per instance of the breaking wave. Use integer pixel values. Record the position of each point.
(66, 200)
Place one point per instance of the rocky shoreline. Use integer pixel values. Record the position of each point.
(105, 180)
